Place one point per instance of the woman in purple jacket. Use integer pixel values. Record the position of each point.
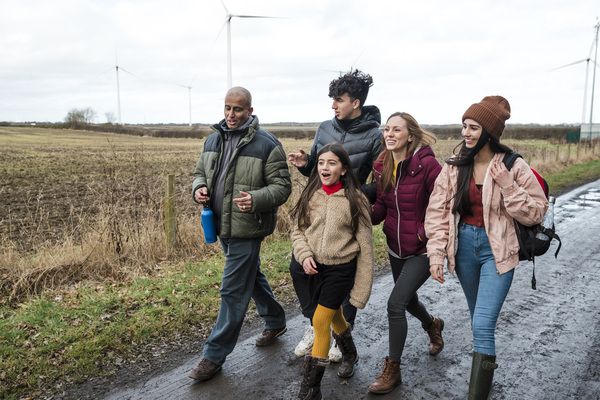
(405, 173)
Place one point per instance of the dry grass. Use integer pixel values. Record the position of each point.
(78, 205)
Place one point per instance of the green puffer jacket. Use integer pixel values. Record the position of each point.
(258, 166)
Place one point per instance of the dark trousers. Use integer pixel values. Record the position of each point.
(242, 280)
(302, 288)
(409, 275)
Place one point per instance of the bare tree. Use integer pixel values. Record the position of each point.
(79, 117)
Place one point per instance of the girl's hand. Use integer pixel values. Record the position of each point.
(309, 266)
(501, 175)
(437, 272)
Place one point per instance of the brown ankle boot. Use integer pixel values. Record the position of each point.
(388, 379)
(436, 342)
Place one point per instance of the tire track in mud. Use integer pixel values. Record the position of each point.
(548, 340)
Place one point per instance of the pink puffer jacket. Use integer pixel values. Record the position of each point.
(524, 201)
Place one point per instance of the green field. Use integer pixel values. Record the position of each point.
(87, 279)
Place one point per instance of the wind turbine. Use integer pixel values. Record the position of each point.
(585, 86)
(189, 88)
(587, 67)
(118, 89)
(594, 78)
(228, 17)
(117, 69)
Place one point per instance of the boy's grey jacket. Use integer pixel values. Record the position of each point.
(362, 141)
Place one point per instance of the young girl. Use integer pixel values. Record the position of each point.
(405, 173)
(332, 241)
(469, 222)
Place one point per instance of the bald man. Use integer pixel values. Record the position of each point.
(242, 175)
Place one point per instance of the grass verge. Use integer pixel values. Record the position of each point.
(573, 176)
(64, 337)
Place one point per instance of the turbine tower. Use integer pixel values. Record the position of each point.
(118, 89)
(228, 17)
(594, 78)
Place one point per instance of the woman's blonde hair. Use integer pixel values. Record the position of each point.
(420, 138)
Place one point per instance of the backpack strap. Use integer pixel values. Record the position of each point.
(533, 281)
(510, 158)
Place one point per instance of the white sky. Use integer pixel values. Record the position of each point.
(431, 58)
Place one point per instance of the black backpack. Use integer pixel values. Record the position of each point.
(530, 245)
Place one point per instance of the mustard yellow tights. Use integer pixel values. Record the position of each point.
(323, 320)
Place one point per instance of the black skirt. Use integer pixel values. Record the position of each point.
(332, 284)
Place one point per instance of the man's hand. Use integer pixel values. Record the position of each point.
(298, 159)
(244, 202)
(201, 195)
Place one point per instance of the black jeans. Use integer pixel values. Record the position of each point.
(409, 275)
(302, 288)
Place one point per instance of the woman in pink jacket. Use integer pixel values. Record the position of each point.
(469, 222)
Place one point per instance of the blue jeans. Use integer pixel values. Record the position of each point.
(242, 280)
(484, 288)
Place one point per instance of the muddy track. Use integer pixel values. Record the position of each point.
(548, 340)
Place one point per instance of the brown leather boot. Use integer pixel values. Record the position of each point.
(349, 354)
(436, 342)
(204, 371)
(312, 373)
(388, 379)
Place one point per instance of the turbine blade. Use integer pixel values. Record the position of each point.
(569, 64)
(130, 73)
(225, 7)
(252, 16)
(220, 31)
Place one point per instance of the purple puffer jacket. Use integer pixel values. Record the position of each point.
(403, 207)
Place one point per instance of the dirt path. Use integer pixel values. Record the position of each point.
(548, 340)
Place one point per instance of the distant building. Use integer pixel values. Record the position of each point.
(589, 132)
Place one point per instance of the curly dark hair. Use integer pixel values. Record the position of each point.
(356, 83)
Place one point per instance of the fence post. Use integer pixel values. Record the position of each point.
(569, 152)
(577, 154)
(544, 154)
(557, 152)
(169, 213)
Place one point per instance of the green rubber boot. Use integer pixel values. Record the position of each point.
(482, 375)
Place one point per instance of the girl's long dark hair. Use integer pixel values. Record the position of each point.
(463, 160)
(349, 181)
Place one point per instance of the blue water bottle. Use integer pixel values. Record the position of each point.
(208, 225)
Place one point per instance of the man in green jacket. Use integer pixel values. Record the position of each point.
(242, 173)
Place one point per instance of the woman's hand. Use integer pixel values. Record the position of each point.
(309, 266)
(437, 272)
(501, 175)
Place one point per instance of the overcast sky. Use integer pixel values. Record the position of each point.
(431, 58)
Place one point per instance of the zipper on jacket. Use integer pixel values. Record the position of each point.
(399, 172)
(235, 153)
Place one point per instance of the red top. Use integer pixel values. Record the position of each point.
(476, 217)
(333, 188)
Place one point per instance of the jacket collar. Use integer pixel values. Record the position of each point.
(369, 118)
